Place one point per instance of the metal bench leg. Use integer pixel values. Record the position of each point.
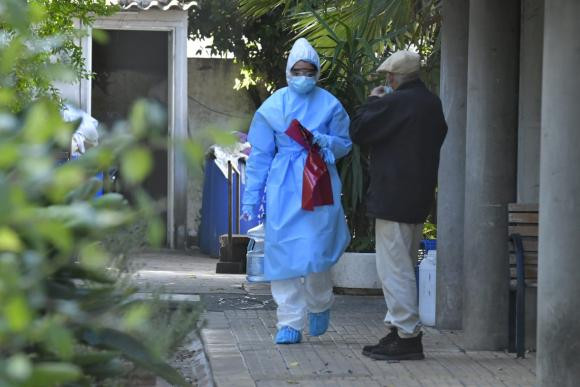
(520, 296)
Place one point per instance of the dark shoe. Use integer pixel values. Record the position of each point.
(368, 349)
(400, 349)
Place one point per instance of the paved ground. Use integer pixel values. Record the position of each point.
(240, 325)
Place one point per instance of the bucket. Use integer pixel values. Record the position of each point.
(255, 255)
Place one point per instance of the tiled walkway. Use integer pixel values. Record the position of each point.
(240, 325)
(241, 353)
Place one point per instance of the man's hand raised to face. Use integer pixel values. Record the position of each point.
(378, 91)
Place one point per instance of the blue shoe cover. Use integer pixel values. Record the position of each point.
(288, 335)
(318, 322)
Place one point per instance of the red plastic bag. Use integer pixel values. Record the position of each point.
(316, 184)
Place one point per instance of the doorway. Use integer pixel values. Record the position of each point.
(132, 65)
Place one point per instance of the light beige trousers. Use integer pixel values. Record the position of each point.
(397, 245)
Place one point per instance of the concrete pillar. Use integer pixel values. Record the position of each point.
(530, 107)
(559, 261)
(490, 181)
(530, 102)
(451, 187)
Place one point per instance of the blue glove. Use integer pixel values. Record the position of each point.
(247, 211)
(322, 140)
(328, 156)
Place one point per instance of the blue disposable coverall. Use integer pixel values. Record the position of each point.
(297, 242)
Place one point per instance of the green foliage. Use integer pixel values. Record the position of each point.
(429, 230)
(61, 305)
(50, 52)
(382, 26)
(66, 315)
(259, 44)
(60, 19)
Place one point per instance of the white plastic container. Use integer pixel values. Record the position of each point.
(255, 255)
(427, 287)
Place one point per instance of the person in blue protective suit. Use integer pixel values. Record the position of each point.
(301, 244)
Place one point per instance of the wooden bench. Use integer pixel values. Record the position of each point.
(523, 263)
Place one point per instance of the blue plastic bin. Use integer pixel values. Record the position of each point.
(214, 209)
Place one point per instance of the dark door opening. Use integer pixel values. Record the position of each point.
(129, 66)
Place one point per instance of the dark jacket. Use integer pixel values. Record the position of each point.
(404, 131)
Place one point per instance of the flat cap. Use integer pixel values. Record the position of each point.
(401, 62)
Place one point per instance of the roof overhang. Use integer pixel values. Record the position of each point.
(145, 5)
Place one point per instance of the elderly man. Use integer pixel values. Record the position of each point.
(403, 125)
